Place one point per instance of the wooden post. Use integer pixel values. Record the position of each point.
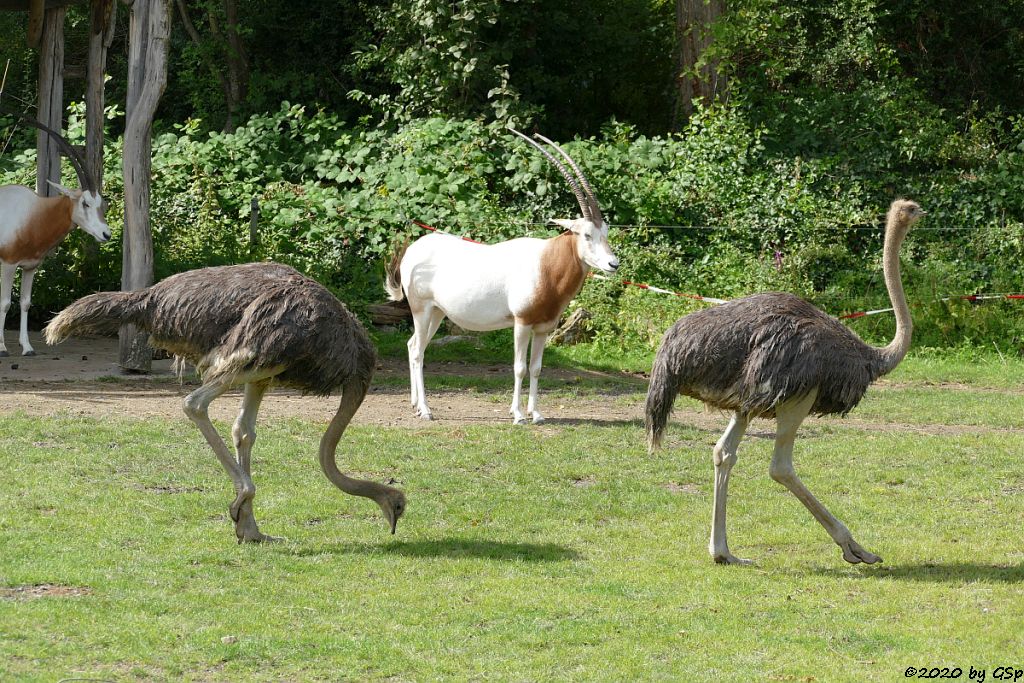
(147, 77)
(36, 11)
(51, 99)
(101, 31)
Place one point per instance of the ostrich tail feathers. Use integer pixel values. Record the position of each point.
(101, 313)
(661, 395)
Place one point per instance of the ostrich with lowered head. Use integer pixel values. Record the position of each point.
(250, 325)
(775, 355)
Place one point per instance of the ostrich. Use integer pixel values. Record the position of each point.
(250, 325)
(775, 355)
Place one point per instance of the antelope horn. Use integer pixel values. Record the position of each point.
(595, 208)
(580, 196)
(83, 178)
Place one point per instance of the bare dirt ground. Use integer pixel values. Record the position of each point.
(75, 378)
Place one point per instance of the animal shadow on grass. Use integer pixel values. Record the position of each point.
(931, 572)
(455, 548)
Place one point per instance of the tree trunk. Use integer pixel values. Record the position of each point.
(695, 81)
(147, 78)
(51, 99)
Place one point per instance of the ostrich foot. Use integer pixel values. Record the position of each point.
(854, 554)
(246, 529)
(538, 419)
(3, 353)
(259, 538)
(28, 352)
(729, 558)
(424, 412)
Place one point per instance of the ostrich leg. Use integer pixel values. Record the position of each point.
(725, 457)
(789, 417)
(244, 434)
(196, 406)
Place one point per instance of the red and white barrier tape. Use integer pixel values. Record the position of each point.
(442, 232)
(962, 297)
(659, 290)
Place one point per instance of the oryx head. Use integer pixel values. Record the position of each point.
(89, 206)
(591, 231)
(88, 211)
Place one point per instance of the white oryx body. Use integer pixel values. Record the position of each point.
(505, 278)
(524, 283)
(30, 227)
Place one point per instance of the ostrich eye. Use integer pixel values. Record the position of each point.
(589, 238)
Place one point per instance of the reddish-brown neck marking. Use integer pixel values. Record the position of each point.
(45, 228)
(561, 275)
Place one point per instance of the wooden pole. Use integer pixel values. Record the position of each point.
(36, 11)
(147, 77)
(51, 99)
(101, 30)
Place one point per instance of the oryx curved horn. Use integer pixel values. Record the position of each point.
(581, 197)
(69, 151)
(594, 207)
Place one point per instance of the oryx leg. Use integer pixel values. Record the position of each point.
(26, 303)
(6, 284)
(789, 417)
(425, 323)
(521, 334)
(725, 457)
(244, 435)
(536, 360)
(196, 406)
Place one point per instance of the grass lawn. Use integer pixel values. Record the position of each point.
(560, 552)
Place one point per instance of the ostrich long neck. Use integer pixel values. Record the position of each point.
(329, 447)
(891, 355)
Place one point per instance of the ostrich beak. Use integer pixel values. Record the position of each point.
(390, 516)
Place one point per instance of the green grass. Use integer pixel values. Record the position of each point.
(562, 552)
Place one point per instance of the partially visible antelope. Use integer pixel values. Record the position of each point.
(523, 283)
(32, 226)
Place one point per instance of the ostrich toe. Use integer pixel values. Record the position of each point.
(854, 554)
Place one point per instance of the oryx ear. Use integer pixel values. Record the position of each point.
(570, 225)
(63, 190)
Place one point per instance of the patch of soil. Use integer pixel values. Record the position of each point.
(69, 380)
(43, 590)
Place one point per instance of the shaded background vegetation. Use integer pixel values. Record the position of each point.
(346, 119)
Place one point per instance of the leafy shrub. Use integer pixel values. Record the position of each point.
(718, 210)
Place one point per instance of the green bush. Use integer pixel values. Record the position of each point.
(716, 210)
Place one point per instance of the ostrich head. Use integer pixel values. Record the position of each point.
(903, 213)
(392, 504)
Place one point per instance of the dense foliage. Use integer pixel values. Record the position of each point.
(396, 111)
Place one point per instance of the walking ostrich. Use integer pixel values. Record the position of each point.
(249, 325)
(775, 355)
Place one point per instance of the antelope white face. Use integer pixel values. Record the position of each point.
(592, 243)
(88, 211)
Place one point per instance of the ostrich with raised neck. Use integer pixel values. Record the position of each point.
(252, 326)
(775, 355)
